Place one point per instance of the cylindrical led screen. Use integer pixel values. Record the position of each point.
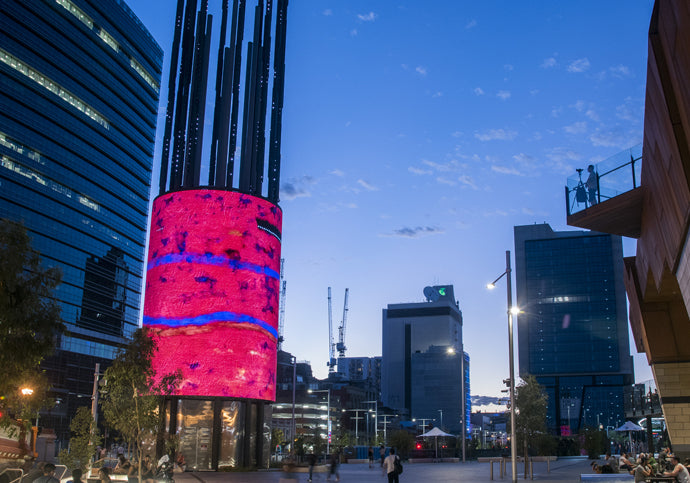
(212, 288)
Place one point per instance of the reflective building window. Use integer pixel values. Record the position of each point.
(77, 128)
(573, 325)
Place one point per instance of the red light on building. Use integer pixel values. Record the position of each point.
(419, 446)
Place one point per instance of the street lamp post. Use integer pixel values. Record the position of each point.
(385, 424)
(376, 421)
(424, 425)
(511, 311)
(328, 417)
(441, 411)
(356, 418)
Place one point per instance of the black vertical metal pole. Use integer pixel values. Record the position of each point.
(195, 94)
(224, 117)
(199, 141)
(220, 71)
(248, 157)
(247, 120)
(261, 124)
(180, 122)
(172, 76)
(277, 103)
(235, 93)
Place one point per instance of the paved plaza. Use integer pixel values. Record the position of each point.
(563, 470)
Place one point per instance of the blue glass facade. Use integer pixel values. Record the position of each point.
(572, 329)
(77, 127)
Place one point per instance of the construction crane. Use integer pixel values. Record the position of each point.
(340, 346)
(332, 346)
(281, 303)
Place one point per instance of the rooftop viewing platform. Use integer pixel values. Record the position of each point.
(606, 196)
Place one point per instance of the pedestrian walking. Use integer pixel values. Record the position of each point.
(393, 467)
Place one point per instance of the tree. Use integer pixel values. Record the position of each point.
(402, 441)
(29, 323)
(131, 398)
(595, 442)
(83, 442)
(530, 408)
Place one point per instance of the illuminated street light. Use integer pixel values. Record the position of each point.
(27, 391)
(511, 312)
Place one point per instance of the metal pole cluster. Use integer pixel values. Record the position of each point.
(183, 134)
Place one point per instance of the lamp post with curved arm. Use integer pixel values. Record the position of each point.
(511, 311)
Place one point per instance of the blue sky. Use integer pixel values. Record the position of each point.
(417, 134)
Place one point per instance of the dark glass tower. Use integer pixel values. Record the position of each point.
(424, 369)
(572, 328)
(78, 108)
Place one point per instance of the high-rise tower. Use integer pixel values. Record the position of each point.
(572, 327)
(424, 370)
(78, 106)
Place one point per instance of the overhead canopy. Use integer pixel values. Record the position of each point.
(435, 432)
(630, 426)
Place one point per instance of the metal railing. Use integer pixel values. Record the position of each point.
(614, 176)
(9, 471)
(642, 400)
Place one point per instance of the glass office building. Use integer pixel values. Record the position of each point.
(572, 328)
(77, 126)
(423, 367)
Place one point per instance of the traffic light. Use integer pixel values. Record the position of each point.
(418, 445)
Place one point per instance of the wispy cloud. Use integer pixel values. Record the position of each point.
(366, 186)
(525, 161)
(420, 70)
(549, 63)
(337, 172)
(562, 160)
(471, 24)
(353, 32)
(607, 139)
(442, 180)
(579, 65)
(415, 232)
(478, 91)
(328, 12)
(503, 95)
(468, 181)
(626, 111)
(506, 170)
(591, 113)
(496, 135)
(619, 71)
(576, 128)
(418, 171)
(297, 188)
(451, 165)
(367, 17)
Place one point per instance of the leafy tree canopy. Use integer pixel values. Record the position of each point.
(131, 396)
(29, 322)
(530, 405)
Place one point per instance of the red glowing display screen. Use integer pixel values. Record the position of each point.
(212, 288)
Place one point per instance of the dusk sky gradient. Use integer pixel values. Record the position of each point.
(416, 134)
